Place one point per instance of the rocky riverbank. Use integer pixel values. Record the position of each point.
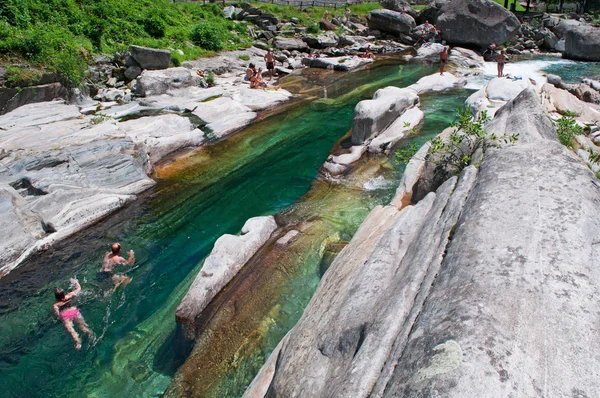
(65, 166)
(445, 296)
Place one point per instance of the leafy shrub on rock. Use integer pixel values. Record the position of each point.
(208, 36)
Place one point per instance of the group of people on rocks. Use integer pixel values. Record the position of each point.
(64, 304)
(501, 58)
(255, 77)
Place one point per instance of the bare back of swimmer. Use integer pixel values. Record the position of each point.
(110, 261)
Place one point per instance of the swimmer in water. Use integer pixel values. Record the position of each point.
(110, 261)
(68, 313)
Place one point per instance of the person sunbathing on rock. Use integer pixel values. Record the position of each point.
(68, 313)
(251, 71)
(110, 261)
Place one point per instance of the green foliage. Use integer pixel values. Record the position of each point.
(209, 36)
(313, 28)
(405, 153)
(244, 57)
(175, 60)
(21, 76)
(155, 27)
(456, 151)
(567, 128)
(210, 79)
(60, 35)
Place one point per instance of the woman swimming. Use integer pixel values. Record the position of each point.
(68, 313)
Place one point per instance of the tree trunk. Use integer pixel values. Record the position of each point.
(505, 3)
(527, 8)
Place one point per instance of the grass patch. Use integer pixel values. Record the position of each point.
(62, 35)
(519, 6)
(244, 57)
(21, 76)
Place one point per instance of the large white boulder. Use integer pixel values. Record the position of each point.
(371, 117)
(227, 258)
(437, 82)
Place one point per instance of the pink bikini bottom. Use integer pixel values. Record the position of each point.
(70, 313)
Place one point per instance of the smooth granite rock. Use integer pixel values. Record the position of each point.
(159, 82)
(371, 117)
(582, 43)
(437, 82)
(476, 23)
(486, 287)
(389, 21)
(228, 256)
(151, 58)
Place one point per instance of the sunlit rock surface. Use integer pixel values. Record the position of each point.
(464, 293)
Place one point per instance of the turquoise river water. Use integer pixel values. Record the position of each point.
(268, 168)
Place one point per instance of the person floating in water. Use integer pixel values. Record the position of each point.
(110, 261)
(443, 59)
(68, 313)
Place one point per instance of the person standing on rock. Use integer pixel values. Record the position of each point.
(501, 59)
(326, 15)
(69, 314)
(347, 13)
(270, 60)
(110, 261)
(443, 59)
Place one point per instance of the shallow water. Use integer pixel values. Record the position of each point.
(264, 169)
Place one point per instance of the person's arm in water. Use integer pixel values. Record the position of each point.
(56, 309)
(75, 291)
(131, 258)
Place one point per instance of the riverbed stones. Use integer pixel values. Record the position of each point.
(290, 44)
(583, 43)
(160, 81)
(151, 58)
(228, 256)
(476, 23)
(391, 21)
(371, 117)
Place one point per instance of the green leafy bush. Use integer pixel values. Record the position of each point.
(567, 128)
(313, 28)
(208, 36)
(155, 27)
(455, 152)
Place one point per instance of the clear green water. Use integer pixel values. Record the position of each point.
(266, 169)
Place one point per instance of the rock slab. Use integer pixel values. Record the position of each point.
(476, 23)
(151, 58)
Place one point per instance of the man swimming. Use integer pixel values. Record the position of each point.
(110, 261)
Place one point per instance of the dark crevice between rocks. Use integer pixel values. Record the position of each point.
(361, 339)
(26, 188)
